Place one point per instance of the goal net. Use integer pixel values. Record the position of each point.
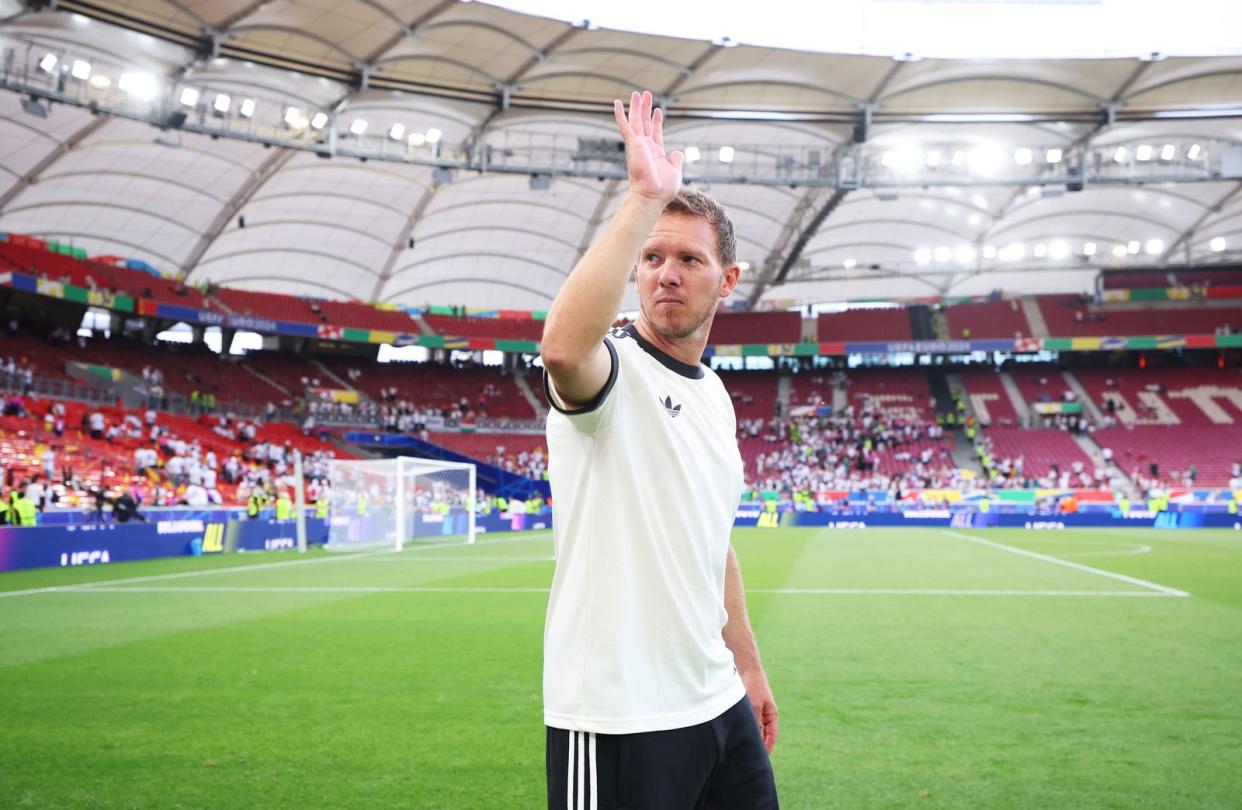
(394, 502)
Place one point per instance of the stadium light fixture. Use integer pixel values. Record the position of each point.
(100, 82)
(743, 265)
(81, 69)
(1053, 156)
(1154, 247)
(397, 132)
(1120, 154)
(433, 135)
(923, 256)
(246, 110)
(979, 200)
(1143, 152)
(950, 211)
(416, 139)
(986, 159)
(1022, 156)
(1168, 152)
(932, 158)
(48, 63)
(1088, 249)
(693, 154)
(1217, 244)
(1133, 247)
(1119, 251)
(319, 121)
(358, 126)
(1040, 250)
(141, 86)
(964, 254)
(1058, 250)
(222, 103)
(850, 264)
(974, 219)
(189, 96)
(1014, 252)
(1193, 152)
(989, 251)
(942, 254)
(726, 154)
(959, 157)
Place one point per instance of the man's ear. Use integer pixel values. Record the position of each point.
(731, 276)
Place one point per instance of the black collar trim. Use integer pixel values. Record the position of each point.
(671, 363)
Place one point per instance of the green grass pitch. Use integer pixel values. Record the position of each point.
(914, 668)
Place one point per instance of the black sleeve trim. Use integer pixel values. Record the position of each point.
(594, 404)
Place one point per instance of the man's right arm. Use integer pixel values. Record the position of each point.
(572, 348)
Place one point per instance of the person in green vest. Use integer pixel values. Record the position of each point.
(363, 503)
(255, 504)
(502, 504)
(195, 397)
(1233, 507)
(985, 506)
(27, 514)
(6, 513)
(322, 505)
(284, 507)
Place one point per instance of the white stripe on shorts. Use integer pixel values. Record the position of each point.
(594, 774)
(581, 769)
(569, 774)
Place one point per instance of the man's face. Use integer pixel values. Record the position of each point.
(679, 278)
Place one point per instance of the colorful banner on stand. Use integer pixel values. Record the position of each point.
(171, 312)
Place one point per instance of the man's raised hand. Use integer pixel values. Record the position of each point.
(653, 173)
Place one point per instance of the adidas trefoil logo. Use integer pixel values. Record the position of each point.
(672, 409)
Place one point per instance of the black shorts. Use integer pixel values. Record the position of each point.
(715, 765)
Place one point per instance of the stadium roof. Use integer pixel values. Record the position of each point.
(851, 176)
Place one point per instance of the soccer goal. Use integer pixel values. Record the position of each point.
(396, 502)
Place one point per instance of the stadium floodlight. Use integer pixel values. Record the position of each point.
(358, 126)
(416, 139)
(1040, 250)
(850, 264)
(246, 110)
(1014, 252)
(726, 154)
(1022, 156)
(950, 211)
(986, 159)
(932, 158)
(189, 96)
(433, 135)
(963, 254)
(959, 157)
(1053, 156)
(1120, 154)
(319, 121)
(1193, 152)
(942, 254)
(902, 159)
(1133, 247)
(692, 154)
(979, 200)
(923, 255)
(141, 86)
(100, 82)
(1168, 152)
(1143, 152)
(1119, 251)
(222, 103)
(743, 265)
(989, 251)
(974, 219)
(397, 132)
(294, 118)
(48, 63)
(1154, 247)
(1217, 244)
(1088, 249)
(1058, 250)
(81, 69)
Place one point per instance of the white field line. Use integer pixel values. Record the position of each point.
(106, 583)
(1035, 555)
(1134, 550)
(461, 590)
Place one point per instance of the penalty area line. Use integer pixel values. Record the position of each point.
(1035, 555)
(363, 589)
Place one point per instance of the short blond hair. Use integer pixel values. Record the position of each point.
(690, 202)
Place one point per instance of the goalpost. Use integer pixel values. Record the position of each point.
(394, 502)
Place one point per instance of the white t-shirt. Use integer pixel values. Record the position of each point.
(645, 486)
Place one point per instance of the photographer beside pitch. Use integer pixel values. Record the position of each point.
(654, 695)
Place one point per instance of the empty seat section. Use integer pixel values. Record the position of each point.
(865, 325)
(988, 319)
(755, 327)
